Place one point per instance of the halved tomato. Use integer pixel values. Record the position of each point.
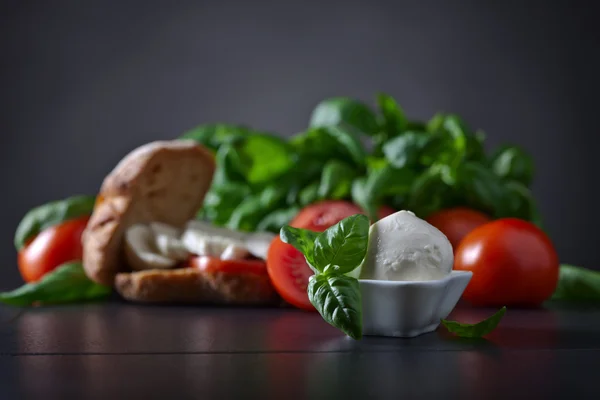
(320, 216)
(287, 267)
(213, 264)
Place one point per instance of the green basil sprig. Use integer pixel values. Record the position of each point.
(66, 284)
(335, 253)
(332, 254)
(371, 155)
(51, 214)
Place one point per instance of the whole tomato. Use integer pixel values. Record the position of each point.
(513, 262)
(52, 247)
(456, 223)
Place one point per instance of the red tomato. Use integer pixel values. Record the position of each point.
(513, 262)
(287, 267)
(385, 211)
(213, 264)
(52, 247)
(320, 216)
(456, 223)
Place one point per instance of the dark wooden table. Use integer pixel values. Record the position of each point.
(119, 350)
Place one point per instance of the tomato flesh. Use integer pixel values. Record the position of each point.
(213, 264)
(289, 273)
(456, 223)
(514, 263)
(51, 248)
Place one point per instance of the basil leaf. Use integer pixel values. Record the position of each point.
(483, 190)
(336, 180)
(221, 201)
(522, 203)
(264, 157)
(384, 181)
(394, 120)
(430, 193)
(50, 214)
(331, 142)
(309, 194)
(304, 241)
(577, 284)
(342, 247)
(477, 330)
(253, 209)
(230, 167)
(405, 149)
(513, 163)
(337, 298)
(273, 221)
(448, 143)
(343, 110)
(363, 197)
(215, 135)
(475, 149)
(66, 284)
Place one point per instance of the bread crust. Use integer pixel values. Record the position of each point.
(189, 285)
(162, 181)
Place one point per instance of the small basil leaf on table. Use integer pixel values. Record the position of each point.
(66, 284)
(214, 135)
(336, 180)
(337, 299)
(50, 214)
(338, 110)
(513, 163)
(394, 119)
(404, 150)
(577, 284)
(342, 247)
(304, 241)
(273, 221)
(477, 330)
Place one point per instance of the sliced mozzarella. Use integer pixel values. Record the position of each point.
(140, 250)
(258, 244)
(211, 244)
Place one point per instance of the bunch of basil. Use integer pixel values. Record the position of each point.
(371, 157)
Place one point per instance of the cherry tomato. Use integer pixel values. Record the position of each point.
(513, 262)
(287, 267)
(213, 264)
(456, 223)
(52, 247)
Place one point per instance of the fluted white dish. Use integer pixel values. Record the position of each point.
(409, 308)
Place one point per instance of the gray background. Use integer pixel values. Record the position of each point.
(83, 82)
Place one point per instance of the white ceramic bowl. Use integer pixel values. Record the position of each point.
(409, 308)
